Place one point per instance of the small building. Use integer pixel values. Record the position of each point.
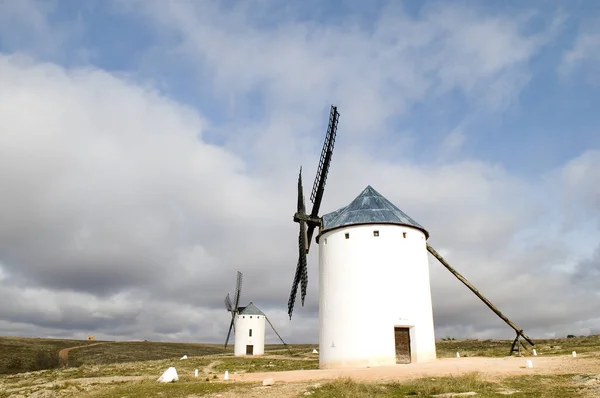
(90, 338)
(249, 331)
(374, 292)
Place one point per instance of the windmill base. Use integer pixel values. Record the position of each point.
(516, 346)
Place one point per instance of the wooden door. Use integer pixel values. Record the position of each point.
(402, 338)
(249, 350)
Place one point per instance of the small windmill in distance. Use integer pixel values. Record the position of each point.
(248, 324)
(370, 252)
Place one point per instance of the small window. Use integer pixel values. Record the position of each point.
(347, 235)
(404, 234)
(375, 233)
(250, 332)
(244, 316)
(325, 241)
(250, 316)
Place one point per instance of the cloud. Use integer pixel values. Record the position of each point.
(375, 72)
(583, 54)
(126, 211)
(37, 27)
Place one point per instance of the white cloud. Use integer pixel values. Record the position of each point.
(583, 53)
(296, 66)
(117, 211)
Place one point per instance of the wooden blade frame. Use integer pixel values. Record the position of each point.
(324, 162)
(308, 223)
(228, 303)
(238, 291)
(229, 332)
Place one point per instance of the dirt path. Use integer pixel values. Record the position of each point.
(488, 367)
(63, 355)
(208, 368)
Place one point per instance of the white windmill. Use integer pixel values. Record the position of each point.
(248, 324)
(374, 290)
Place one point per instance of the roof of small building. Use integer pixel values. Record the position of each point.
(370, 207)
(250, 309)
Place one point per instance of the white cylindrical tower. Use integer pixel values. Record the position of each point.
(374, 291)
(249, 331)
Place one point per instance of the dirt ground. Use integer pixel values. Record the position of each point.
(487, 367)
(295, 383)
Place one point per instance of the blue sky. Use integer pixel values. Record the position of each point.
(128, 119)
(551, 120)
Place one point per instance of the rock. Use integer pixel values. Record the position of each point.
(169, 376)
(184, 357)
(268, 382)
(315, 351)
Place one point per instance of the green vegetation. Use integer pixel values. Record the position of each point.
(251, 365)
(133, 351)
(183, 388)
(547, 386)
(19, 354)
(130, 369)
(447, 348)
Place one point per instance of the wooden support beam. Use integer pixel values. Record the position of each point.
(273, 327)
(481, 297)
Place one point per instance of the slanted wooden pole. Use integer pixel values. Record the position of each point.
(272, 327)
(474, 290)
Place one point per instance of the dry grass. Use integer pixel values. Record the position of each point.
(555, 386)
(130, 369)
(19, 354)
(251, 365)
(183, 388)
(132, 351)
(501, 348)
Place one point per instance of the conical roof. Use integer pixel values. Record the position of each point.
(250, 309)
(370, 207)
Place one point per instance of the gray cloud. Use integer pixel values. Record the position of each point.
(118, 217)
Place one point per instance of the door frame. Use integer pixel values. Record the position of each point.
(410, 329)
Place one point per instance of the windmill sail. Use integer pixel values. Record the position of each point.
(309, 223)
(233, 307)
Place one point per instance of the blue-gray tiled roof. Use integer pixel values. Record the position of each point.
(370, 207)
(251, 309)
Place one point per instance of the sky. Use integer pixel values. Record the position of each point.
(150, 149)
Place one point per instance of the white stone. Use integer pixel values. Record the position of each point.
(534, 352)
(528, 364)
(226, 376)
(457, 355)
(391, 272)
(268, 382)
(184, 357)
(169, 376)
(574, 354)
(196, 373)
(315, 351)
